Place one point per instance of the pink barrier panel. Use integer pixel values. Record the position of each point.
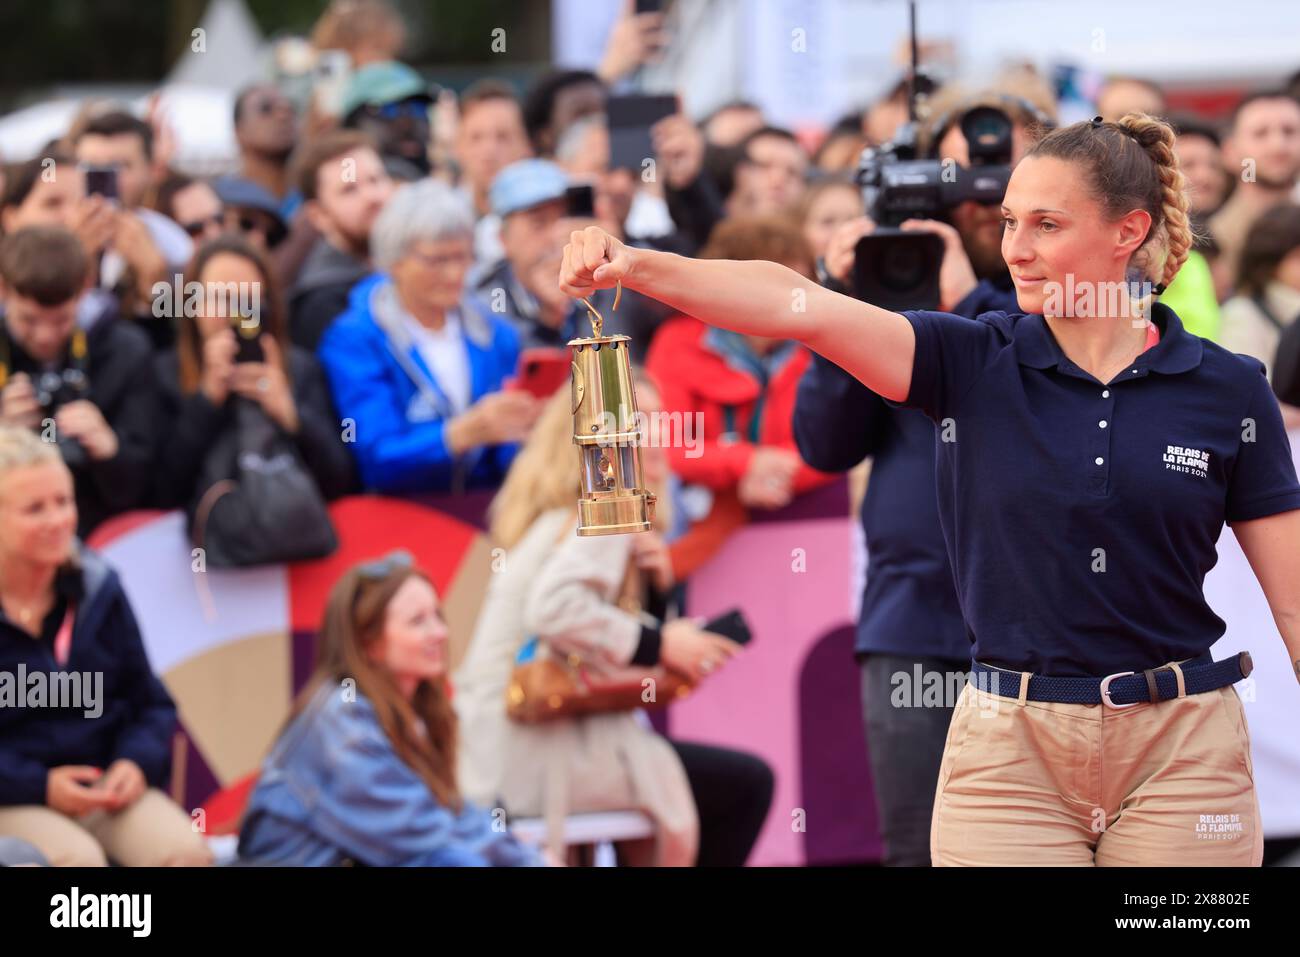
(792, 696)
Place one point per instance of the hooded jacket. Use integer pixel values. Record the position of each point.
(383, 386)
(136, 716)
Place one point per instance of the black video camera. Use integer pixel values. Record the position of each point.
(895, 269)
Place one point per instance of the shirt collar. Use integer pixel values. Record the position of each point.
(450, 330)
(1177, 351)
(528, 308)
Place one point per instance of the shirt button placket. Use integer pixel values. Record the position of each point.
(1099, 430)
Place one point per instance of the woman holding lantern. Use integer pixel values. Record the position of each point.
(1095, 462)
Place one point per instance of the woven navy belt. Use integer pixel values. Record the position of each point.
(1121, 690)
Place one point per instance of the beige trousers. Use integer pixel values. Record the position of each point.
(152, 832)
(1168, 784)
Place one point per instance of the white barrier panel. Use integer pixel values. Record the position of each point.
(1271, 695)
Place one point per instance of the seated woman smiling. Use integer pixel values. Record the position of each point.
(364, 771)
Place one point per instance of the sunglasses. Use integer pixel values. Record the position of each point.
(271, 232)
(199, 225)
(377, 569)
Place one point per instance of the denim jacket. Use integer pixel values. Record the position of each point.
(333, 790)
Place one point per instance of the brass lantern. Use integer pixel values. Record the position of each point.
(606, 429)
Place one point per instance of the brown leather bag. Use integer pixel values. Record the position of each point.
(550, 687)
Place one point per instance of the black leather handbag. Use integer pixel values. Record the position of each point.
(266, 508)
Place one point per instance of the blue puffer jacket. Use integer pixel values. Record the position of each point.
(394, 404)
(333, 789)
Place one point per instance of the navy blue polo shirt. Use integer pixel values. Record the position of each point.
(909, 603)
(1080, 517)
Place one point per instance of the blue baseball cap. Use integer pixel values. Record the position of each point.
(526, 184)
(243, 193)
(381, 83)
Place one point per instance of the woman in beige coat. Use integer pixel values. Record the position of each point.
(1267, 301)
(579, 596)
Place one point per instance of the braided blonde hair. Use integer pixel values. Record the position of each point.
(1132, 165)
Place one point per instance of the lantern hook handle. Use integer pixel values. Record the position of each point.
(597, 320)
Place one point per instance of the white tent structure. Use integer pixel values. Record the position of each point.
(227, 50)
(24, 132)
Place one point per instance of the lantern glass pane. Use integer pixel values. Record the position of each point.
(599, 468)
(631, 466)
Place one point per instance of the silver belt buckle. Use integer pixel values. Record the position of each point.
(1105, 691)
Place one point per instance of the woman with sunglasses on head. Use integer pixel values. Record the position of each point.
(364, 771)
(1095, 462)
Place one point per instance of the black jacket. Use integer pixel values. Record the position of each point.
(1286, 366)
(321, 292)
(696, 209)
(191, 429)
(136, 716)
(119, 366)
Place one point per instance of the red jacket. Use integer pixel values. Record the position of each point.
(695, 376)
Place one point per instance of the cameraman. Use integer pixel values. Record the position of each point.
(89, 389)
(910, 615)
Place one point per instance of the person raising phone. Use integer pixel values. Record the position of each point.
(1095, 460)
(227, 369)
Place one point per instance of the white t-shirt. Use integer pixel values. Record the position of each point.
(443, 351)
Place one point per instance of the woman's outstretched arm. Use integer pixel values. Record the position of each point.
(1270, 546)
(756, 298)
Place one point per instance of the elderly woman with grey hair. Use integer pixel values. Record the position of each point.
(416, 365)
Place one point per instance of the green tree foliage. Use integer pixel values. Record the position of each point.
(93, 42)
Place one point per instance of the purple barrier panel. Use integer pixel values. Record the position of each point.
(794, 581)
(827, 501)
(841, 824)
(469, 507)
(303, 645)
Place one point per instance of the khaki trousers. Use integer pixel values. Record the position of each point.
(1036, 783)
(152, 832)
